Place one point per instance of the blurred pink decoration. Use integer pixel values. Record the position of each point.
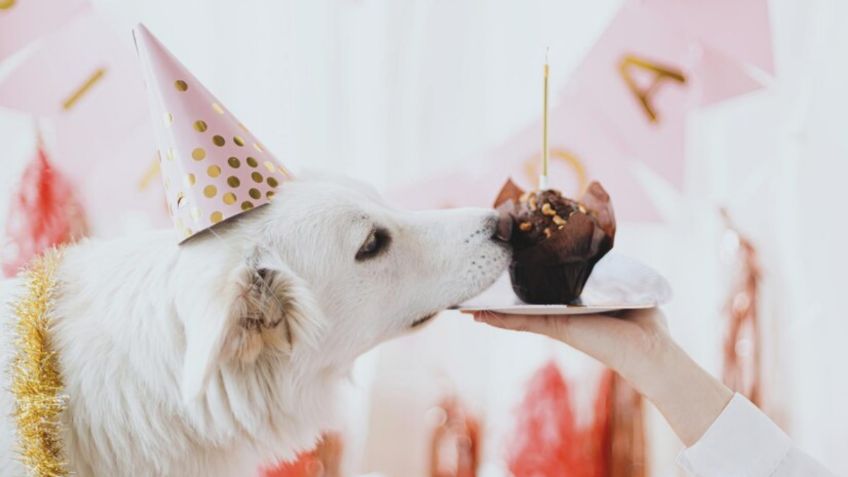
(720, 78)
(24, 21)
(739, 29)
(88, 87)
(43, 213)
(659, 62)
(619, 428)
(581, 151)
(455, 446)
(213, 167)
(742, 344)
(625, 106)
(647, 72)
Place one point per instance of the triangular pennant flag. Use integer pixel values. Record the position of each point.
(721, 78)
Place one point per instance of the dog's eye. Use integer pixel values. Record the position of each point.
(377, 242)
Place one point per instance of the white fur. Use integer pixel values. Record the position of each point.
(178, 362)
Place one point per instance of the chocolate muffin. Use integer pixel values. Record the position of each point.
(556, 240)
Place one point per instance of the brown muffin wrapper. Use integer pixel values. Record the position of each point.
(550, 284)
(556, 269)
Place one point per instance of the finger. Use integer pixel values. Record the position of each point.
(539, 324)
(589, 333)
(500, 320)
(648, 318)
(506, 320)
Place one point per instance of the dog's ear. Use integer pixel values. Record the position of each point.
(258, 309)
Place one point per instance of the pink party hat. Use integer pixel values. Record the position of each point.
(212, 166)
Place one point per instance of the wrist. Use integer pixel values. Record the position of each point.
(688, 397)
(666, 370)
(647, 368)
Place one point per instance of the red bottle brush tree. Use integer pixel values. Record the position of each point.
(547, 443)
(550, 443)
(324, 461)
(44, 212)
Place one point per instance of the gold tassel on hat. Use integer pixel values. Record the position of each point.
(36, 381)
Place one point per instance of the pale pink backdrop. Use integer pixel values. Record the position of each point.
(393, 92)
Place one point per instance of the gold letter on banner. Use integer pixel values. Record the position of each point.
(644, 95)
(80, 91)
(531, 166)
(6, 4)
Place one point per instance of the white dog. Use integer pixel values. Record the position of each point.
(221, 355)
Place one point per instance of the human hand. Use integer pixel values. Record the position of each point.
(636, 344)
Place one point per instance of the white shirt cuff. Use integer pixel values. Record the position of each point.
(741, 442)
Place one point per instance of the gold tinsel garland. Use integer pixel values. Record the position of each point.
(36, 381)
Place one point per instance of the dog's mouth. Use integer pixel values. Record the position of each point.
(422, 320)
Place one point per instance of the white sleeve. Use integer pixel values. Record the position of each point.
(744, 442)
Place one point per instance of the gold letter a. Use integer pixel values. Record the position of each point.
(644, 95)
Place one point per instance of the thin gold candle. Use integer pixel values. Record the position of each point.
(543, 178)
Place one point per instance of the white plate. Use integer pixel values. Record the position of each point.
(617, 283)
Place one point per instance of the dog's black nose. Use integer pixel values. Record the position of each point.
(503, 230)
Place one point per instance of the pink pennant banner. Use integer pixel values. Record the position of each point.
(626, 103)
(720, 78)
(738, 29)
(87, 82)
(24, 21)
(639, 78)
(83, 66)
(580, 151)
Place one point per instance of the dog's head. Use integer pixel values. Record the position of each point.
(328, 270)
